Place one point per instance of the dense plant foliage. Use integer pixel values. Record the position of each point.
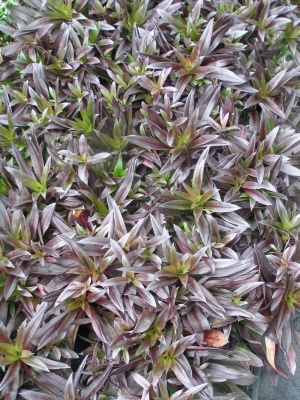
(5, 17)
(149, 187)
(5, 12)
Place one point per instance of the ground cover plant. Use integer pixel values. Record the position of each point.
(149, 198)
(5, 18)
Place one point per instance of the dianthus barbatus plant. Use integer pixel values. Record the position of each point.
(149, 198)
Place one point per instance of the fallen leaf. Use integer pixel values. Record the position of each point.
(270, 352)
(215, 338)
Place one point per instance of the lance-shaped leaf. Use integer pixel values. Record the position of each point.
(190, 392)
(140, 380)
(145, 321)
(29, 182)
(10, 375)
(34, 324)
(46, 217)
(36, 363)
(22, 163)
(31, 395)
(146, 142)
(220, 207)
(51, 364)
(222, 74)
(85, 260)
(97, 383)
(201, 48)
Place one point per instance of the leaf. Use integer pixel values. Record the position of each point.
(36, 159)
(10, 286)
(46, 217)
(7, 29)
(10, 375)
(179, 347)
(27, 180)
(190, 392)
(34, 324)
(175, 205)
(207, 103)
(289, 169)
(124, 188)
(36, 363)
(270, 105)
(270, 352)
(236, 375)
(8, 360)
(78, 374)
(84, 259)
(254, 360)
(258, 196)
(263, 263)
(280, 79)
(3, 334)
(194, 287)
(50, 383)
(202, 47)
(198, 175)
(33, 219)
(46, 170)
(181, 84)
(119, 253)
(12, 48)
(8, 348)
(96, 384)
(220, 207)
(22, 163)
(141, 380)
(291, 360)
(180, 373)
(148, 143)
(222, 74)
(40, 81)
(97, 325)
(32, 395)
(215, 338)
(268, 142)
(52, 364)
(145, 321)
(246, 288)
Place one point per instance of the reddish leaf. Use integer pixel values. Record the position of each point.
(215, 338)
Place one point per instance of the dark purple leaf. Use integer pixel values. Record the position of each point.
(97, 383)
(40, 81)
(146, 320)
(46, 217)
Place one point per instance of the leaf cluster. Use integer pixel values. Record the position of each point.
(149, 198)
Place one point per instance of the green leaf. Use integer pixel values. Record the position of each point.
(7, 360)
(8, 349)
